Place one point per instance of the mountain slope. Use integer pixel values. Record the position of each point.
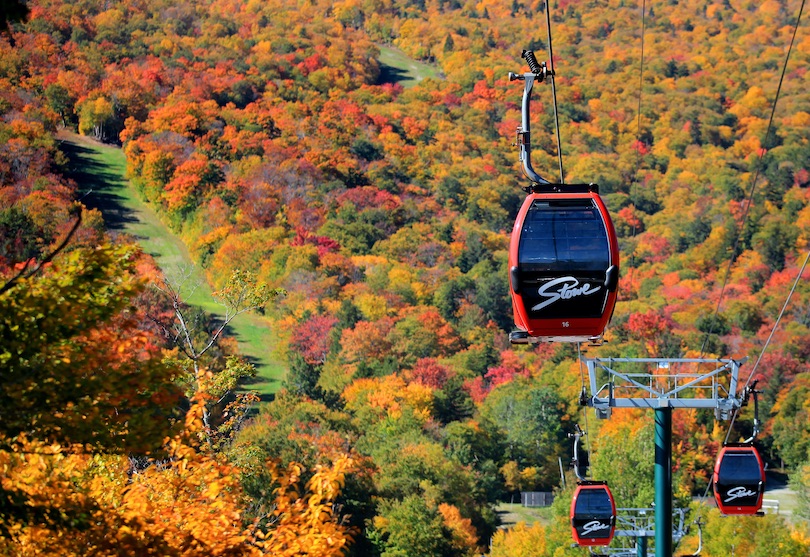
(100, 171)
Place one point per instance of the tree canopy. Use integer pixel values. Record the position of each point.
(271, 138)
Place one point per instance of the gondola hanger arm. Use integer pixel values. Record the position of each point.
(575, 460)
(538, 72)
(752, 390)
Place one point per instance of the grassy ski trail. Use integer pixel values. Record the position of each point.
(100, 172)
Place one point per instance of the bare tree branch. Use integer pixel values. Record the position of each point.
(23, 275)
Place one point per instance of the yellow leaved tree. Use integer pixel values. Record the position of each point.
(93, 459)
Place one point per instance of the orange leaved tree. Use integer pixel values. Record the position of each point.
(92, 464)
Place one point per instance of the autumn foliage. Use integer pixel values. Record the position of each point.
(274, 140)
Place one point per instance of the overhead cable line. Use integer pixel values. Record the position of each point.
(753, 370)
(770, 336)
(554, 94)
(637, 170)
(640, 84)
(582, 378)
(753, 182)
(736, 244)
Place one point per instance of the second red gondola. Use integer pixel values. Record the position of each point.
(593, 514)
(739, 479)
(563, 265)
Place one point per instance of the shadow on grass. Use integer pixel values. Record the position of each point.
(98, 186)
(260, 386)
(391, 74)
(102, 186)
(266, 387)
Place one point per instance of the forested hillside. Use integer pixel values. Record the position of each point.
(369, 223)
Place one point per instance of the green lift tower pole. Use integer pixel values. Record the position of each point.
(663, 384)
(641, 546)
(663, 482)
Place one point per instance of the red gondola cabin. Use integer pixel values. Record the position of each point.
(563, 265)
(593, 514)
(739, 479)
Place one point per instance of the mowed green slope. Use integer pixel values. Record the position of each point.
(99, 171)
(397, 67)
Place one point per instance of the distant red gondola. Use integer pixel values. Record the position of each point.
(563, 265)
(739, 479)
(593, 514)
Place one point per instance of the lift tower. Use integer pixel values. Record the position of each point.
(662, 384)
